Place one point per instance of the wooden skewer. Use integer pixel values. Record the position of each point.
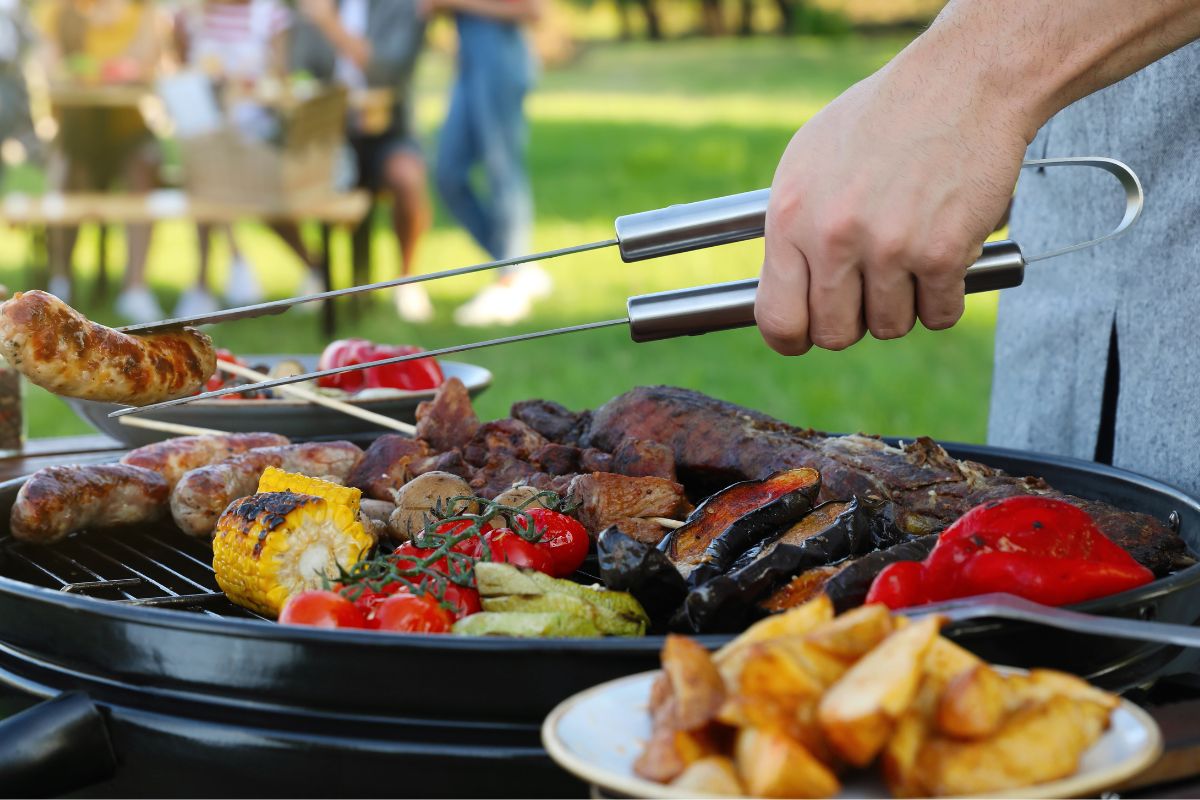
(321, 400)
(666, 523)
(169, 427)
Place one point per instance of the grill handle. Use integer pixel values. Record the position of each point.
(60, 745)
(722, 306)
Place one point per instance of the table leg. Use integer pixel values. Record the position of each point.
(100, 292)
(360, 249)
(328, 310)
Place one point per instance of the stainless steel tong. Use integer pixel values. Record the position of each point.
(1007, 606)
(681, 312)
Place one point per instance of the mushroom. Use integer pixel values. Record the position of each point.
(416, 499)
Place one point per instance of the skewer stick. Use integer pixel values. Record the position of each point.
(666, 523)
(169, 427)
(313, 397)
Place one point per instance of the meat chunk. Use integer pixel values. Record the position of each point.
(594, 460)
(605, 498)
(59, 349)
(556, 422)
(556, 459)
(643, 530)
(508, 437)
(451, 461)
(448, 421)
(499, 473)
(638, 458)
(385, 465)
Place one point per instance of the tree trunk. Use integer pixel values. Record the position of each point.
(714, 25)
(625, 22)
(787, 15)
(653, 28)
(747, 25)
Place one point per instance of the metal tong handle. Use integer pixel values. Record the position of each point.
(1007, 606)
(723, 220)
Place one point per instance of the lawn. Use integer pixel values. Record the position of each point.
(627, 127)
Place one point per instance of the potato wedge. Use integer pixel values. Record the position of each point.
(854, 633)
(714, 775)
(974, 704)
(1036, 744)
(858, 713)
(899, 757)
(797, 621)
(771, 764)
(668, 753)
(695, 683)
(1042, 684)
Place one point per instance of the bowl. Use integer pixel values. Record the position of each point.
(286, 416)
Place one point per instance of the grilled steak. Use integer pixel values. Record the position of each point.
(448, 420)
(716, 443)
(385, 465)
(606, 498)
(637, 457)
(554, 421)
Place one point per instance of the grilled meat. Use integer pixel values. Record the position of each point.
(593, 460)
(450, 461)
(175, 457)
(498, 473)
(385, 465)
(508, 437)
(716, 443)
(642, 530)
(606, 498)
(448, 420)
(637, 457)
(554, 421)
(556, 459)
(59, 349)
(201, 495)
(58, 501)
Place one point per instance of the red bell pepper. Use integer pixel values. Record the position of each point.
(1039, 548)
(422, 373)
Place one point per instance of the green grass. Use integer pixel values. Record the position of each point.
(625, 128)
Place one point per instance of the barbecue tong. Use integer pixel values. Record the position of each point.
(680, 312)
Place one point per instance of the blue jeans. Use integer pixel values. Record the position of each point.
(486, 126)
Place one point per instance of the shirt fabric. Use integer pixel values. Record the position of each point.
(353, 15)
(237, 36)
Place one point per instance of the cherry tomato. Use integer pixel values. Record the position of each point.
(407, 555)
(469, 546)
(321, 609)
(464, 599)
(508, 548)
(412, 613)
(564, 539)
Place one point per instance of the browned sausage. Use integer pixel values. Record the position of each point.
(174, 457)
(57, 501)
(59, 349)
(203, 494)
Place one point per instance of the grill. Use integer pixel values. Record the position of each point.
(198, 692)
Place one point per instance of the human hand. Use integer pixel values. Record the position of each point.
(319, 11)
(428, 8)
(880, 203)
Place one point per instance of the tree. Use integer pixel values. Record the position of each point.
(649, 10)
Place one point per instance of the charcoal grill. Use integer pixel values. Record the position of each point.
(199, 696)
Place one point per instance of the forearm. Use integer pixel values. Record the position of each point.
(504, 10)
(356, 49)
(1035, 57)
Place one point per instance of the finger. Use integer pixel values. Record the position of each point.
(940, 300)
(781, 304)
(835, 303)
(891, 304)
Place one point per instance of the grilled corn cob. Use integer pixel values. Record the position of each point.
(271, 545)
(275, 479)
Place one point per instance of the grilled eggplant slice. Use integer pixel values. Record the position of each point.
(802, 588)
(830, 533)
(731, 521)
(628, 565)
(848, 589)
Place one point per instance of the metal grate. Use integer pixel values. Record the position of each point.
(145, 567)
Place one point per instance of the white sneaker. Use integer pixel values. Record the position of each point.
(139, 305)
(194, 302)
(498, 304)
(60, 287)
(533, 280)
(243, 288)
(412, 303)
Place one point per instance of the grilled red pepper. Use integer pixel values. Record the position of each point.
(1042, 549)
(422, 373)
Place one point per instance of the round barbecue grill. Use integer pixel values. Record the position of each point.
(199, 696)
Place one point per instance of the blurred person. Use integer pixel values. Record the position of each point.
(15, 37)
(239, 44)
(109, 42)
(486, 127)
(364, 44)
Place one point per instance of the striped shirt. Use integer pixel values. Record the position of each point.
(237, 36)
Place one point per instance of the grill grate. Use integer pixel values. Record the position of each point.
(143, 566)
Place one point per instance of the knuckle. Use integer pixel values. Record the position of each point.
(941, 319)
(785, 333)
(891, 329)
(943, 254)
(834, 339)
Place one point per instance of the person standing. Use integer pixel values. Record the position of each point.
(486, 127)
(365, 44)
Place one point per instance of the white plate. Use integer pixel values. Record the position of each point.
(289, 417)
(599, 733)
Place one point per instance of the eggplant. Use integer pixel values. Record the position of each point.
(848, 589)
(802, 588)
(628, 565)
(731, 521)
(830, 533)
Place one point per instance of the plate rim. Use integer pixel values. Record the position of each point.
(1073, 785)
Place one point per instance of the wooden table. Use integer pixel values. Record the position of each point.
(345, 210)
(1176, 774)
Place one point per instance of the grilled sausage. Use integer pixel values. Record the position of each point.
(174, 457)
(203, 494)
(57, 501)
(56, 347)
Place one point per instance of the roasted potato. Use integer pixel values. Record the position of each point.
(899, 757)
(415, 500)
(696, 686)
(799, 620)
(771, 764)
(713, 775)
(669, 752)
(974, 704)
(854, 633)
(857, 715)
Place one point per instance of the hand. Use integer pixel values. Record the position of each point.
(879, 204)
(319, 11)
(428, 8)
